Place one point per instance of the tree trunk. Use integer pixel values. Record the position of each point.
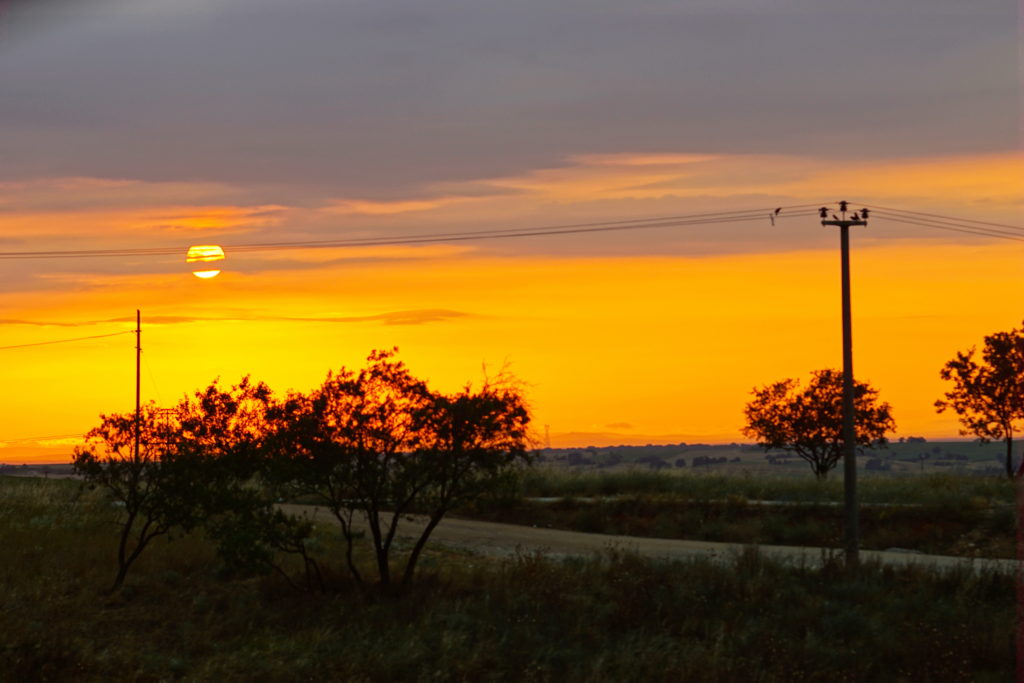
(125, 563)
(122, 572)
(122, 552)
(383, 568)
(1009, 459)
(410, 565)
(346, 531)
(380, 550)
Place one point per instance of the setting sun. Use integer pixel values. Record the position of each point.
(204, 254)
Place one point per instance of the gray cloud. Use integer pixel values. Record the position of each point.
(377, 99)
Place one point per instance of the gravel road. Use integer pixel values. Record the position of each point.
(491, 538)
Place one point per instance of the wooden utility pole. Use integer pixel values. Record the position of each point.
(138, 382)
(852, 534)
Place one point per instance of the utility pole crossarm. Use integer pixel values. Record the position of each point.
(846, 223)
(855, 218)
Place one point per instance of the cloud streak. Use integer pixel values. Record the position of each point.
(410, 317)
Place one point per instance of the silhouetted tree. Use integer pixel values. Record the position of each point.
(808, 421)
(350, 443)
(200, 463)
(473, 438)
(151, 488)
(988, 396)
(223, 440)
(378, 443)
(228, 425)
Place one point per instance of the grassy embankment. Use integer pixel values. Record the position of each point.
(614, 617)
(945, 514)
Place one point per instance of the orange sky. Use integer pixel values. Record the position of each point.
(613, 349)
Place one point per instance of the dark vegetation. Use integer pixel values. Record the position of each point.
(376, 443)
(937, 514)
(808, 421)
(988, 394)
(609, 617)
(225, 583)
(969, 532)
(942, 490)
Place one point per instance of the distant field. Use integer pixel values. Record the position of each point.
(44, 471)
(895, 458)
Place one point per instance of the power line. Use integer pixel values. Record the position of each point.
(951, 222)
(791, 211)
(938, 221)
(967, 229)
(464, 237)
(946, 218)
(64, 341)
(571, 228)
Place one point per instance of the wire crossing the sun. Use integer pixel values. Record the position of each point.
(904, 216)
(792, 211)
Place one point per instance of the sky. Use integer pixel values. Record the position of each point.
(152, 123)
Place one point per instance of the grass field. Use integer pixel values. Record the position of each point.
(909, 458)
(942, 489)
(941, 513)
(609, 617)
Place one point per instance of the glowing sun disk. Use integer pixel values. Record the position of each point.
(203, 254)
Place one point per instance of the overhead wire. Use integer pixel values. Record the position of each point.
(65, 341)
(950, 228)
(465, 237)
(931, 220)
(790, 211)
(945, 218)
(634, 224)
(950, 224)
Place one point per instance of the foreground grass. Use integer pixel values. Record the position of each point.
(613, 617)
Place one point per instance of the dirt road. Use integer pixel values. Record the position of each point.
(490, 538)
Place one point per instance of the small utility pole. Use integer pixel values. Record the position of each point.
(849, 431)
(138, 382)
